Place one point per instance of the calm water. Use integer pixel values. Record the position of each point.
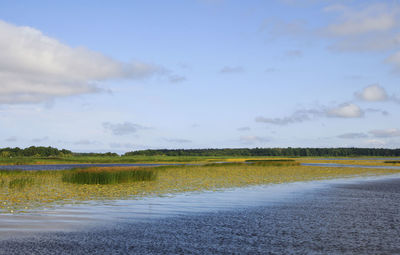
(68, 166)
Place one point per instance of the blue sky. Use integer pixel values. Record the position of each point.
(128, 75)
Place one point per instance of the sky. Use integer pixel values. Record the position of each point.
(97, 76)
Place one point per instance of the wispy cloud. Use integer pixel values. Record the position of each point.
(86, 142)
(124, 128)
(123, 145)
(365, 27)
(352, 136)
(37, 68)
(385, 133)
(253, 139)
(177, 140)
(345, 110)
(294, 53)
(296, 117)
(269, 70)
(244, 129)
(355, 22)
(231, 69)
(11, 139)
(40, 140)
(177, 79)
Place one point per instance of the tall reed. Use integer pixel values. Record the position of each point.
(108, 175)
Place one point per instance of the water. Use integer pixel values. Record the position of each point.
(80, 215)
(349, 216)
(69, 166)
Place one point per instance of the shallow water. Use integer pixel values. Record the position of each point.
(356, 216)
(78, 215)
(68, 166)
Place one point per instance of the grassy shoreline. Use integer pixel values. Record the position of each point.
(151, 159)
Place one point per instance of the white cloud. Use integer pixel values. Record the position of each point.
(36, 68)
(347, 110)
(384, 133)
(373, 93)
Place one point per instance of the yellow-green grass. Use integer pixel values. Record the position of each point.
(47, 187)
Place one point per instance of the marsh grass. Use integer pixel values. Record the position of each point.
(274, 162)
(20, 183)
(108, 175)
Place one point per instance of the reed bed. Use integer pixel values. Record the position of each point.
(47, 188)
(108, 175)
(392, 162)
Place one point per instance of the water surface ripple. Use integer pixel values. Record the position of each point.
(333, 217)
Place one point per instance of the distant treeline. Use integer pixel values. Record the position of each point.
(34, 151)
(41, 151)
(284, 152)
(95, 154)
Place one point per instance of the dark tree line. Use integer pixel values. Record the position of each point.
(32, 151)
(284, 152)
(95, 154)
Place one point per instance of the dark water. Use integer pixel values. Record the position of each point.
(342, 218)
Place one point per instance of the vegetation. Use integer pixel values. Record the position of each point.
(108, 175)
(392, 161)
(49, 155)
(46, 188)
(33, 152)
(274, 162)
(280, 152)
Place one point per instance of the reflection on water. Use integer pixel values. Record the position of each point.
(69, 166)
(95, 213)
